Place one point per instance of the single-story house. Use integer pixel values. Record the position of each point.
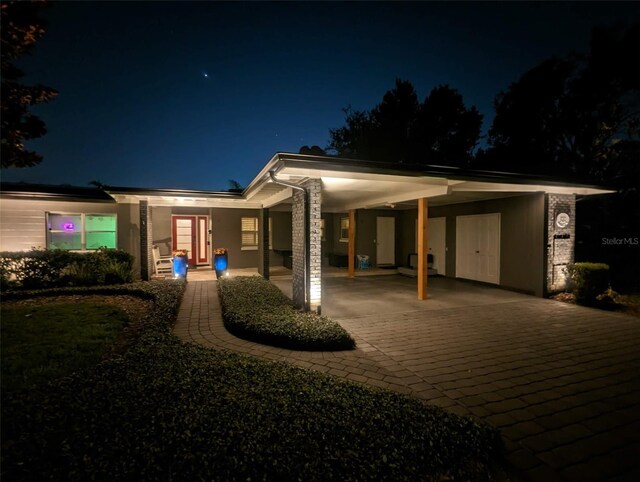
(305, 211)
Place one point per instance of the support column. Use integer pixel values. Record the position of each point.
(561, 239)
(352, 243)
(306, 246)
(422, 248)
(146, 242)
(263, 244)
(314, 187)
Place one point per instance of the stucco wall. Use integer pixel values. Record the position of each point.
(227, 233)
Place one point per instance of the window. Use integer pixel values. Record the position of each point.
(344, 229)
(322, 231)
(249, 233)
(79, 232)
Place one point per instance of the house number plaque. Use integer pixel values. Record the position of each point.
(562, 220)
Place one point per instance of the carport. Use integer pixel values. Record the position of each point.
(395, 294)
(499, 228)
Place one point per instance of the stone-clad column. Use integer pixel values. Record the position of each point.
(561, 238)
(146, 242)
(315, 276)
(307, 285)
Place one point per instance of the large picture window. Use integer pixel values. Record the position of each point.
(249, 233)
(80, 232)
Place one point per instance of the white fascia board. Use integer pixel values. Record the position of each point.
(185, 201)
(277, 198)
(473, 186)
(287, 172)
(393, 198)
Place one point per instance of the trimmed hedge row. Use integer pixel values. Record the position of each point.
(38, 269)
(255, 309)
(172, 411)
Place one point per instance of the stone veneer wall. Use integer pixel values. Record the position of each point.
(298, 245)
(561, 242)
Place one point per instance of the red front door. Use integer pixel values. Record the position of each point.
(184, 236)
(192, 233)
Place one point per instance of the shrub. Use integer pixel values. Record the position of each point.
(38, 269)
(589, 280)
(255, 309)
(166, 410)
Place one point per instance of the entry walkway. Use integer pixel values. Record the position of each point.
(562, 382)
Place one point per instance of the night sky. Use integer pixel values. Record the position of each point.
(190, 95)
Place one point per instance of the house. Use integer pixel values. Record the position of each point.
(304, 211)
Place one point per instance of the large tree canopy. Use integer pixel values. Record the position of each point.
(400, 128)
(577, 115)
(21, 29)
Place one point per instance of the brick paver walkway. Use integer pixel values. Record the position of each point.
(562, 382)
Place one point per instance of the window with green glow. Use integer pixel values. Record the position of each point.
(80, 232)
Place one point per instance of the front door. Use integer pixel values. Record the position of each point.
(192, 233)
(386, 241)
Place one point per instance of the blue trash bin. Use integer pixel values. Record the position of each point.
(180, 266)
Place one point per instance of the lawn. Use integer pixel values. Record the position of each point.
(40, 343)
(166, 410)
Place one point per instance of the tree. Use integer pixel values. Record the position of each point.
(401, 129)
(235, 186)
(446, 131)
(312, 151)
(577, 115)
(21, 29)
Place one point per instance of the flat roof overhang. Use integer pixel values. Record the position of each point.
(181, 197)
(354, 184)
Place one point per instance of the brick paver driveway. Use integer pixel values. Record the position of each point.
(562, 382)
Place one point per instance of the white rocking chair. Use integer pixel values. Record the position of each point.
(162, 264)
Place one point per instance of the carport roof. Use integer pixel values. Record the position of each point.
(352, 183)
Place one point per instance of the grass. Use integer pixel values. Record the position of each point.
(256, 310)
(40, 343)
(166, 410)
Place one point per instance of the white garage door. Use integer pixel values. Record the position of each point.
(478, 247)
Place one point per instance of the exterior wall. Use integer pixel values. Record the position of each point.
(522, 238)
(23, 222)
(162, 236)
(280, 236)
(129, 232)
(561, 241)
(227, 233)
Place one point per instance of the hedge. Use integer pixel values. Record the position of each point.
(37, 269)
(166, 410)
(255, 309)
(589, 280)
